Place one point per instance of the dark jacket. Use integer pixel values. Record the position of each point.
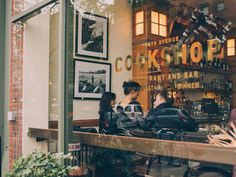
(153, 112)
(150, 119)
(108, 122)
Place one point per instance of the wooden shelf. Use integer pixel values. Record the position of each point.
(197, 68)
(204, 90)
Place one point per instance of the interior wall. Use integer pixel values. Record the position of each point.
(53, 67)
(35, 79)
(120, 45)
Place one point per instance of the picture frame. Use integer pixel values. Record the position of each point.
(91, 79)
(91, 35)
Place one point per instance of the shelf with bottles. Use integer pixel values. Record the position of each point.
(197, 68)
(218, 92)
(216, 66)
(204, 84)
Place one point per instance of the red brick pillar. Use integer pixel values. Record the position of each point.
(16, 86)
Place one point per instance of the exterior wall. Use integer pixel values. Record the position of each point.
(120, 29)
(16, 86)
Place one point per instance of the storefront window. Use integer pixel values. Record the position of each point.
(34, 73)
(135, 73)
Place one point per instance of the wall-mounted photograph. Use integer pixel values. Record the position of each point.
(91, 79)
(91, 36)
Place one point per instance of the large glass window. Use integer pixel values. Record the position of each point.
(135, 73)
(34, 76)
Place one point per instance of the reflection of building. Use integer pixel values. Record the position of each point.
(151, 23)
(224, 9)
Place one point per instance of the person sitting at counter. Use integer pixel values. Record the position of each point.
(161, 100)
(107, 116)
(129, 109)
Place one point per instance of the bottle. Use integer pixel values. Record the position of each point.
(227, 66)
(209, 64)
(229, 85)
(223, 65)
(214, 63)
(219, 66)
(180, 60)
(201, 63)
(189, 61)
(204, 62)
(202, 84)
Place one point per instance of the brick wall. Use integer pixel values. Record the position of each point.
(16, 86)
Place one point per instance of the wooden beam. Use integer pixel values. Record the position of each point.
(43, 133)
(186, 150)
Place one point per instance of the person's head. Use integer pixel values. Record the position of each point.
(131, 89)
(160, 96)
(179, 93)
(107, 101)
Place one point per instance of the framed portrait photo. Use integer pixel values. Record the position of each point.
(91, 35)
(91, 79)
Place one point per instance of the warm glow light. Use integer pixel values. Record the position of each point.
(154, 17)
(231, 43)
(139, 23)
(231, 47)
(139, 29)
(163, 31)
(163, 19)
(231, 51)
(158, 24)
(155, 29)
(139, 17)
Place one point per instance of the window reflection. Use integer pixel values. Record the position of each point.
(231, 47)
(158, 24)
(139, 23)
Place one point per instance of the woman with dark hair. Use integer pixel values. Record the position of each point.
(108, 118)
(129, 107)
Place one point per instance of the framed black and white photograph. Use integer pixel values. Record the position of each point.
(91, 79)
(91, 36)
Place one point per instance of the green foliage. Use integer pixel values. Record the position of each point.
(111, 162)
(39, 164)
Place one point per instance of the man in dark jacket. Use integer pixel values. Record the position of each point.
(161, 101)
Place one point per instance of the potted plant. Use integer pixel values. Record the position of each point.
(40, 164)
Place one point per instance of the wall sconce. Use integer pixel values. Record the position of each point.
(139, 23)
